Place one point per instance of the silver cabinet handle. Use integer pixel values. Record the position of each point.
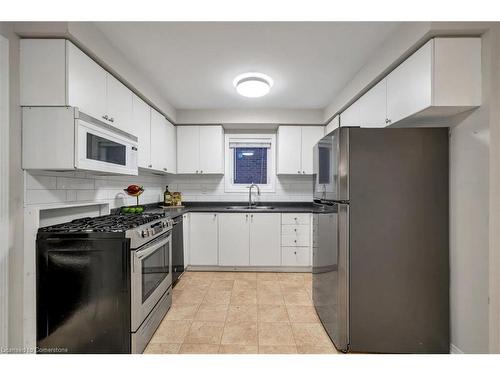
(304, 172)
(295, 229)
(387, 121)
(298, 172)
(111, 119)
(105, 117)
(295, 252)
(215, 215)
(150, 166)
(196, 171)
(201, 171)
(295, 241)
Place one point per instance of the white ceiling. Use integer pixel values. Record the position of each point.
(193, 63)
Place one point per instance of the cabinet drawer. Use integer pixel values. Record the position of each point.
(295, 256)
(295, 241)
(302, 219)
(295, 230)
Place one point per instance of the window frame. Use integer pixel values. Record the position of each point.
(229, 186)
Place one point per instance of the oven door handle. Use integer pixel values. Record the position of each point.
(141, 254)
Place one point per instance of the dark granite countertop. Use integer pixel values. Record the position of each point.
(279, 207)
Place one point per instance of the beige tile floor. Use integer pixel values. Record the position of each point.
(241, 313)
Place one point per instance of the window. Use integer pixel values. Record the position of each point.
(249, 159)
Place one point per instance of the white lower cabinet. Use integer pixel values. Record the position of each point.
(203, 239)
(265, 239)
(249, 239)
(296, 256)
(234, 239)
(296, 240)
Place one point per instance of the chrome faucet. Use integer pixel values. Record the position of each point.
(250, 204)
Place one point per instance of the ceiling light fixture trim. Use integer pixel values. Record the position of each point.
(253, 84)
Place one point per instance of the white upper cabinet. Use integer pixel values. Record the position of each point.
(200, 149)
(43, 72)
(142, 129)
(86, 83)
(162, 143)
(310, 136)
(295, 148)
(332, 125)
(171, 148)
(289, 150)
(188, 149)
(54, 72)
(119, 104)
(441, 79)
(369, 111)
(211, 149)
(409, 86)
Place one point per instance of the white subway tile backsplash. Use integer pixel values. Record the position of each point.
(41, 182)
(45, 196)
(75, 183)
(44, 187)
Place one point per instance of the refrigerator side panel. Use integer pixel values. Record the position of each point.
(399, 271)
(330, 271)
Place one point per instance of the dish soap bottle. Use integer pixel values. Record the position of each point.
(167, 197)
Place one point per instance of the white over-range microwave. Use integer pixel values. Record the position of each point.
(63, 138)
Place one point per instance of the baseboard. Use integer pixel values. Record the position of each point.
(455, 349)
(249, 269)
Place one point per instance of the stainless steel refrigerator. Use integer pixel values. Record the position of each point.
(380, 239)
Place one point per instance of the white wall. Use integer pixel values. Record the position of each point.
(469, 205)
(16, 213)
(44, 187)
(211, 188)
(250, 116)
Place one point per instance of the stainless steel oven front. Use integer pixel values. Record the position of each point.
(151, 276)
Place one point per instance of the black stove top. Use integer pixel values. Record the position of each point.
(108, 223)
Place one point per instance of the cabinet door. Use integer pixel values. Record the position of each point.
(409, 86)
(158, 141)
(42, 72)
(289, 150)
(119, 104)
(211, 149)
(233, 239)
(310, 136)
(203, 242)
(188, 149)
(332, 125)
(369, 111)
(86, 83)
(142, 129)
(170, 148)
(265, 239)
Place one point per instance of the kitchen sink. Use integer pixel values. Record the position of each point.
(250, 208)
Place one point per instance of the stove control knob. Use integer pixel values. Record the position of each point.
(144, 233)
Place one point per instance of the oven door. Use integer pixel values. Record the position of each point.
(103, 148)
(151, 277)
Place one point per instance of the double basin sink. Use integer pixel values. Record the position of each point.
(250, 208)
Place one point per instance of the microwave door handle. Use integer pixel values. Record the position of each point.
(146, 252)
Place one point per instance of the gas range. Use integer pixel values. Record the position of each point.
(140, 228)
(105, 282)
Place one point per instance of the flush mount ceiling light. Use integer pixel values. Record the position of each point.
(253, 85)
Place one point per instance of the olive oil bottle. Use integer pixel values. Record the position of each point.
(167, 197)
